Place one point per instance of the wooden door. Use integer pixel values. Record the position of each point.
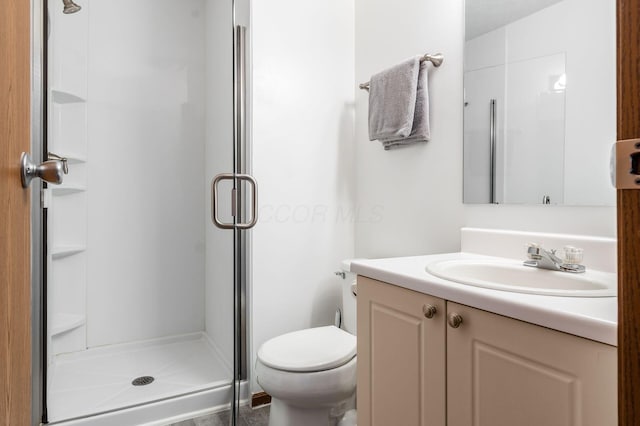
(628, 77)
(15, 325)
(401, 360)
(505, 372)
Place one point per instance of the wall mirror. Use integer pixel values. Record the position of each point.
(539, 101)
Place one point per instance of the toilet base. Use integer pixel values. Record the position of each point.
(283, 414)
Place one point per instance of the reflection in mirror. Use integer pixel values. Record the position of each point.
(539, 106)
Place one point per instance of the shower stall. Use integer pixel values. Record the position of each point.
(144, 264)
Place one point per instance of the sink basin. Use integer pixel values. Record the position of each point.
(511, 275)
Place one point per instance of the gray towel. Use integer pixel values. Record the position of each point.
(399, 105)
(420, 131)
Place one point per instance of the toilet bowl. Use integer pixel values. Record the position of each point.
(311, 373)
(314, 382)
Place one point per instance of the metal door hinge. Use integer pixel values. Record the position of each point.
(45, 198)
(625, 164)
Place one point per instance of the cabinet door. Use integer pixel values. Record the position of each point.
(401, 360)
(505, 372)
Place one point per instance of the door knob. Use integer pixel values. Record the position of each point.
(51, 171)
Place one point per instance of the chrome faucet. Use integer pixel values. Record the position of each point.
(547, 259)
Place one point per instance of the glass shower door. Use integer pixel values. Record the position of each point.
(143, 294)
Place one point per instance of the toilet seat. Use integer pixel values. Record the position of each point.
(309, 350)
(311, 389)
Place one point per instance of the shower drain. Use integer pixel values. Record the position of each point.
(142, 381)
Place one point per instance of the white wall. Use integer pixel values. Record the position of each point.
(420, 188)
(145, 161)
(303, 159)
(411, 197)
(219, 159)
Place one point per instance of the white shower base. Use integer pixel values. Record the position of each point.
(99, 380)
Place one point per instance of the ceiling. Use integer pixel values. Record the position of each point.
(482, 16)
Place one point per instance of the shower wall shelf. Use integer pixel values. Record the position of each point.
(62, 97)
(65, 251)
(61, 323)
(67, 131)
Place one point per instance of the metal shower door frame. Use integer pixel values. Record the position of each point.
(240, 226)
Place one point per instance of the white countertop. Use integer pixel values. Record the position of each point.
(594, 318)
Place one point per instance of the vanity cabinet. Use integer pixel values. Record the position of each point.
(488, 371)
(505, 372)
(401, 357)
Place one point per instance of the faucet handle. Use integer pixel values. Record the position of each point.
(533, 250)
(573, 255)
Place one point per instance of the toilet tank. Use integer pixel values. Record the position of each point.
(348, 298)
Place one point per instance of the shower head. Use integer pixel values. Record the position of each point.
(70, 7)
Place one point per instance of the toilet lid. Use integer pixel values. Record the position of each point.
(313, 349)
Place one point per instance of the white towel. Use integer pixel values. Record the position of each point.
(399, 104)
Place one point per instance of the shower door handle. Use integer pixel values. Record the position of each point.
(234, 201)
(492, 151)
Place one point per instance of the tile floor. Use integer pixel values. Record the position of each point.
(98, 380)
(248, 417)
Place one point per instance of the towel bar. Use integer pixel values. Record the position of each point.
(436, 59)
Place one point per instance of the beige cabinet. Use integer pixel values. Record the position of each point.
(401, 357)
(505, 372)
(494, 370)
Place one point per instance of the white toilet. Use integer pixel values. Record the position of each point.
(311, 374)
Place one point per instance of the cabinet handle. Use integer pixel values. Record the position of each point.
(429, 311)
(454, 320)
